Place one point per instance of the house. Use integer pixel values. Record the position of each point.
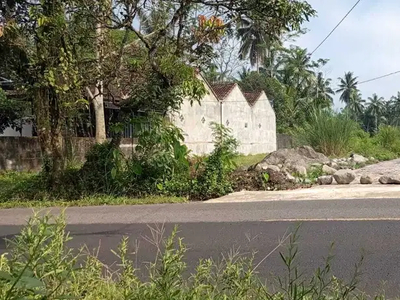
(26, 123)
(250, 116)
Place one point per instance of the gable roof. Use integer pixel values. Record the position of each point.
(252, 97)
(222, 90)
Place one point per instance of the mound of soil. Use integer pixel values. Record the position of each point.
(253, 180)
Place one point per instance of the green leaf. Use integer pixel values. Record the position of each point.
(6, 276)
(29, 282)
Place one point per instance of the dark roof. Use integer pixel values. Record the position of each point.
(252, 97)
(222, 90)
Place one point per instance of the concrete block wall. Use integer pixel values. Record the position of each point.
(253, 126)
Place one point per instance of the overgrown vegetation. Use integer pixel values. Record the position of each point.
(159, 166)
(40, 265)
(337, 135)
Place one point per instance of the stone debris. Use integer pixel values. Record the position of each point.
(345, 176)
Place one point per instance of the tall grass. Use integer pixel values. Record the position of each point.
(327, 132)
(40, 265)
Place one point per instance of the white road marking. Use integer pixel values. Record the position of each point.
(331, 220)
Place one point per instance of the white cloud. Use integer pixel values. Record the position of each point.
(367, 42)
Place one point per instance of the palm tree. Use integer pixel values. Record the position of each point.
(254, 42)
(298, 70)
(323, 93)
(347, 86)
(355, 105)
(376, 108)
(393, 110)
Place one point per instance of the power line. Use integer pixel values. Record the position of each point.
(379, 77)
(333, 30)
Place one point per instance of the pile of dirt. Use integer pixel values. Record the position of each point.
(254, 180)
(302, 156)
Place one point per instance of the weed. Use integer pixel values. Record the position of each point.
(40, 265)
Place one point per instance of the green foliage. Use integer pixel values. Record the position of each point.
(213, 180)
(11, 112)
(383, 146)
(327, 132)
(159, 157)
(102, 171)
(41, 265)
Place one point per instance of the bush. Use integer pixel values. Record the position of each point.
(102, 173)
(40, 265)
(213, 180)
(327, 132)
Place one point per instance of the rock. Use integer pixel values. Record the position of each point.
(270, 168)
(344, 176)
(384, 179)
(328, 170)
(301, 156)
(280, 166)
(290, 178)
(358, 159)
(390, 179)
(300, 170)
(325, 180)
(333, 164)
(316, 165)
(366, 179)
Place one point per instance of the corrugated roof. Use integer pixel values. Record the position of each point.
(252, 97)
(222, 90)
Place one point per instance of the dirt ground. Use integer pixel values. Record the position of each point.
(391, 167)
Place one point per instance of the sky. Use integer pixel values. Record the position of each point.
(366, 43)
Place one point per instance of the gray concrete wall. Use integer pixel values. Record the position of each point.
(253, 126)
(24, 154)
(195, 121)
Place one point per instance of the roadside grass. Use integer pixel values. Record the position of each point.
(39, 264)
(249, 160)
(14, 185)
(92, 201)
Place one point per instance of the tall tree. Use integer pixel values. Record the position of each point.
(356, 106)
(255, 42)
(347, 87)
(376, 109)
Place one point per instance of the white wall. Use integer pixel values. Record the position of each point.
(26, 131)
(259, 136)
(195, 122)
(236, 113)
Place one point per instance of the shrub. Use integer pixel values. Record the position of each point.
(213, 180)
(103, 171)
(327, 132)
(160, 157)
(40, 265)
(389, 138)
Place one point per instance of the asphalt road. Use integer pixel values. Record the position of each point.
(369, 227)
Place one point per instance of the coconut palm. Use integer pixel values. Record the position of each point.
(376, 108)
(355, 105)
(323, 92)
(254, 42)
(347, 87)
(298, 70)
(393, 110)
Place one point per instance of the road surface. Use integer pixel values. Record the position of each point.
(371, 227)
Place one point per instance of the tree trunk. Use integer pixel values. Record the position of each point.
(98, 105)
(98, 99)
(49, 120)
